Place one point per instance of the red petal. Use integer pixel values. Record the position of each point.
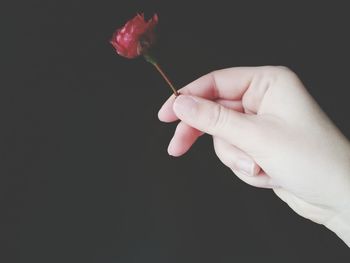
(126, 40)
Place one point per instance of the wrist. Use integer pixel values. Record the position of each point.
(340, 225)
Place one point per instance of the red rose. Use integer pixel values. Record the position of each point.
(135, 37)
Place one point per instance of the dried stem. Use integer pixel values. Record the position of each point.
(151, 59)
(176, 93)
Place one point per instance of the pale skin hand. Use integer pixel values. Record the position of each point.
(272, 134)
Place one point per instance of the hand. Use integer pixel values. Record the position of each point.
(272, 134)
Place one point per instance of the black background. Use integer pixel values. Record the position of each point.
(85, 176)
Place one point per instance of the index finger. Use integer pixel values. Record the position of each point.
(228, 84)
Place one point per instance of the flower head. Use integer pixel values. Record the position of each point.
(135, 37)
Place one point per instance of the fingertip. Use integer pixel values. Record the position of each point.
(161, 116)
(170, 148)
(183, 139)
(184, 105)
(173, 149)
(166, 113)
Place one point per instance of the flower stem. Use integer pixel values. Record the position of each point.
(176, 93)
(151, 59)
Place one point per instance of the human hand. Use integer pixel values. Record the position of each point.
(272, 134)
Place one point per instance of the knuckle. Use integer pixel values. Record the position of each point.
(275, 73)
(286, 72)
(277, 70)
(218, 118)
(284, 69)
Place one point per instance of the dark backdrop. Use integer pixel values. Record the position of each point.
(85, 176)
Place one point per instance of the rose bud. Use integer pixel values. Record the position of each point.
(135, 37)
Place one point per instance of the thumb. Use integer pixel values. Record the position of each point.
(212, 118)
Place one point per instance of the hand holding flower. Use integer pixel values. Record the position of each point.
(271, 133)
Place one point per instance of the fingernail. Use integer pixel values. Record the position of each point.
(185, 105)
(246, 166)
